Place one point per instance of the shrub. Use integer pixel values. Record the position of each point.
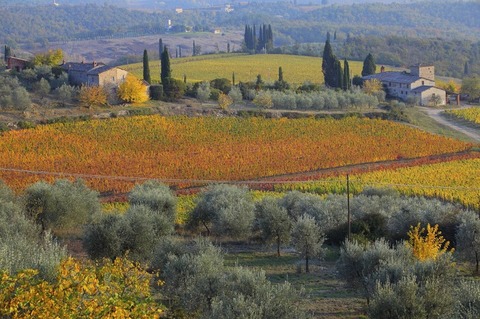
(156, 92)
(203, 91)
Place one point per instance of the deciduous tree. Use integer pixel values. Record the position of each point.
(91, 96)
(427, 243)
(224, 101)
(51, 58)
(132, 90)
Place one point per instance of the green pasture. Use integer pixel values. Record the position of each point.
(296, 69)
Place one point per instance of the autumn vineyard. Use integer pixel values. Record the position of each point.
(204, 148)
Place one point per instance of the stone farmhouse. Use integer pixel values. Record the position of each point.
(98, 74)
(417, 84)
(17, 64)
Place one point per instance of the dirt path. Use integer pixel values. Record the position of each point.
(437, 115)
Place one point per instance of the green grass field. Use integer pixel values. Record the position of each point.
(296, 69)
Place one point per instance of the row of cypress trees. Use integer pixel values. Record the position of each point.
(334, 75)
(264, 41)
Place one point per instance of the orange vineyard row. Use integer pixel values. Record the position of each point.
(206, 148)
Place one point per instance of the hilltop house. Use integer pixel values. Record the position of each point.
(99, 74)
(417, 84)
(17, 64)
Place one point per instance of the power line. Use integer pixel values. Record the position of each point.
(210, 181)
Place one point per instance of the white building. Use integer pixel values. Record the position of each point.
(417, 84)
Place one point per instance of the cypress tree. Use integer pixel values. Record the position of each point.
(246, 37)
(328, 65)
(269, 38)
(338, 74)
(466, 70)
(7, 53)
(260, 44)
(254, 37)
(194, 50)
(328, 36)
(233, 78)
(228, 47)
(335, 35)
(347, 84)
(165, 67)
(180, 52)
(369, 66)
(160, 47)
(280, 74)
(146, 67)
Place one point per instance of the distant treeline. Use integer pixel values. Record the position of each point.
(448, 56)
(292, 24)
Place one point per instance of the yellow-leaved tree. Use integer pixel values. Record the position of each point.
(427, 243)
(90, 96)
(224, 101)
(132, 90)
(373, 86)
(118, 289)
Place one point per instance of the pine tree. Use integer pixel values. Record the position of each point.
(328, 65)
(369, 66)
(165, 72)
(146, 67)
(347, 83)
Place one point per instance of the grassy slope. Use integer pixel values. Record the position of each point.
(327, 297)
(425, 122)
(296, 69)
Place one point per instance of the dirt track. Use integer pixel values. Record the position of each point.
(438, 115)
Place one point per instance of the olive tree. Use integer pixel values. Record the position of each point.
(149, 218)
(23, 245)
(307, 238)
(155, 195)
(197, 281)
(273, 222)
(63, 204)
(224, 210)
(468, 237)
